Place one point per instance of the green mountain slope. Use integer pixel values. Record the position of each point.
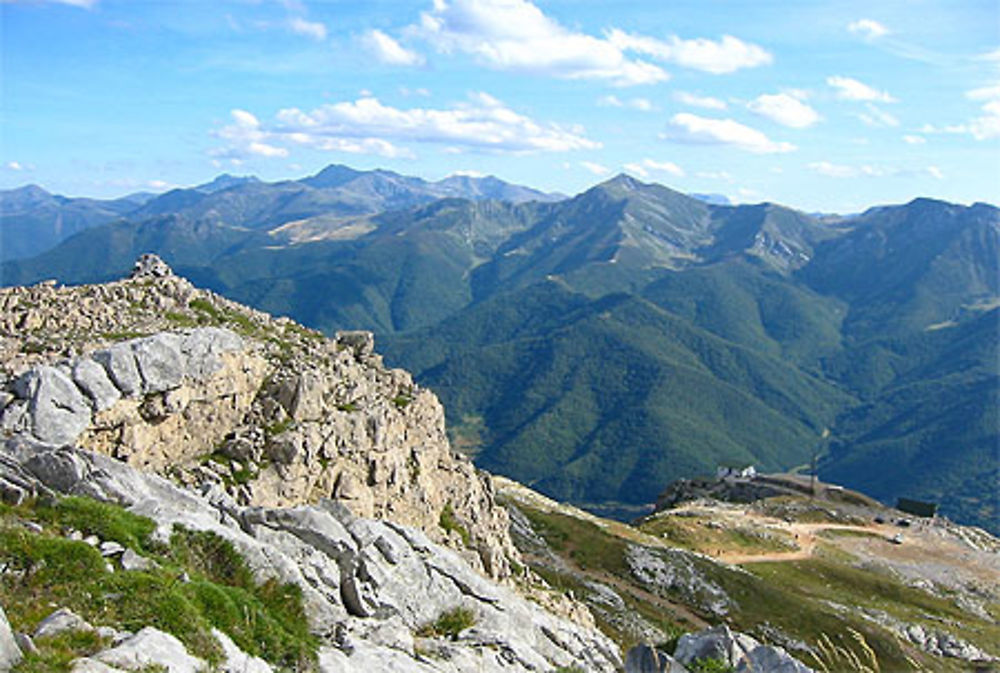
(602, 345)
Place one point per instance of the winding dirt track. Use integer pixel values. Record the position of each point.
(805, 537)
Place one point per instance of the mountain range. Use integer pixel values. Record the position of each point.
(598, 347)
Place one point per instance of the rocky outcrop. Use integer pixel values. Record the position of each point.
(221, 396)
(742, 653)
(368, 585)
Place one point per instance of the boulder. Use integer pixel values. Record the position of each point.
(59, 621)
(10, 653)
(119, 362)
(93, 380)
(647, 659)
(238, 661)
(737, 650)
(203, 348)
(159, 361)
(58, 411)
(150, 266)
(148, 648)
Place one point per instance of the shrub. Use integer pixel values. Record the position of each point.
(449, 523)
(449, 624)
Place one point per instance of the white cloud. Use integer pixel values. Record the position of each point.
(641, 104)
(694, 100)
(784, 109)
(636, 169)
(596, 169)
(726, 55)
(245, 138)
(644, 168)
(868, 28)
(914, 140)
(14, 166)
(877, 118)
(516, 35)
(832, 170)
(987, 125)
(689, 128)
(388, 50)
(715, 175)
(312, 29)
(664, 167)
(367, 126)
(849, 88)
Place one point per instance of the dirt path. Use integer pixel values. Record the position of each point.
(804, 535)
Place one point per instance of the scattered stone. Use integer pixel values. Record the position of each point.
(133, 561)
(150, 265)
(59, 411)
(151, 647)
(10, 653)
(93, 380)
(119, 362)
(647, 659)
(25, 643)
(59, 621)
(111, 548)
(737, 650)
(238, 661)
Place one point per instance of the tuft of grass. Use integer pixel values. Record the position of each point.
(449, 624)
(449, 523)
(710, 665)
(402, 401)
(201, 582)
(56, 653)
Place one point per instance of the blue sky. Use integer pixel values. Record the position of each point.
(824, 106)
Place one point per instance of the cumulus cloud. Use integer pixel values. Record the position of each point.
(244, 138)
(14, 166)
(516, 35)
(647, 166)
(726, 55)
(387, 50)
(849, 88)
(367, 126)
(312, 29)
(642, 104)
(877, 117)
(595, 168)
(868, 29)
(986, 126)
(784, 109)
(689, 128)
(914, 140)
(694, 100)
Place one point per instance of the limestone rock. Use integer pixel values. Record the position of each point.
(93, 380)
(119, 361)
(741, 652)
(646, 659)
(59, 621)
(150, 266)
(159, 361)
(88, 665)
(238, 661)
(151, 647)
(10, 653)
(58, 410)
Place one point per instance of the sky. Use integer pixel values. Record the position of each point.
(822, 106)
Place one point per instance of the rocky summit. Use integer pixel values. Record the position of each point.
(322, 468)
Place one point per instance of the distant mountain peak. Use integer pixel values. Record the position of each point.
(225, 181)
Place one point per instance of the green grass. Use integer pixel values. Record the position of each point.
(692, 533)
(449, 624)
(449, 523)
(588, 545)
(57, 652)
(46, 570)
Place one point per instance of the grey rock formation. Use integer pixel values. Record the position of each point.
(119, 361)
(647, 659)
(151, 647)
(60, 621)
(238, 661)
(93, 380)
(10, 653)
(58, 411)
(737, 650)
(150, 266)
(159, 361)
(369, 585)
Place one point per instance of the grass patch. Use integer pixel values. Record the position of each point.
(693, 533)
(586, 543)
(449, 624)
(201, 582)
(449, 523)
(56, 653)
